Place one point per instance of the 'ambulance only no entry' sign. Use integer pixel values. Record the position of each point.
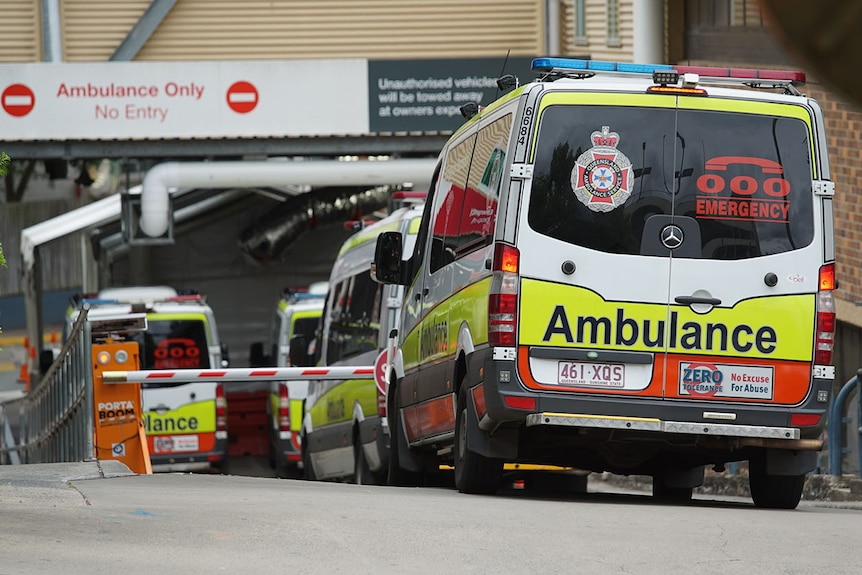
(131, 100)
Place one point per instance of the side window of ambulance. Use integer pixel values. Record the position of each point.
(449, 204)
(419, 246)
(479, 209)
(355, 323)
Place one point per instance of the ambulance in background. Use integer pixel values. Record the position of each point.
(297, 314)
(186, 423)
(345, 430)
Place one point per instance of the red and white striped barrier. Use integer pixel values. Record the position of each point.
(239, 374)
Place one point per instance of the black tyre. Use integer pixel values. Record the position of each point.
(362, 474)
(774, 491)
(555, 482)
(670, 494)
(308, 469)
(474, 473)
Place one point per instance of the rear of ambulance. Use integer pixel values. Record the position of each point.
(672, 273)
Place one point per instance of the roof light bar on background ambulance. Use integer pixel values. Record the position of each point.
(663, 73)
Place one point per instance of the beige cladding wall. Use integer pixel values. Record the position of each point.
(282, 29)
(20, 32)
(597, 32)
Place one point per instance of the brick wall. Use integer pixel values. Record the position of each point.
(844, 135)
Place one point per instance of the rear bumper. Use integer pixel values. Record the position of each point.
(288, 448)
(197, 461)
(740, 423)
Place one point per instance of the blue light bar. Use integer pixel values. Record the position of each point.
(306, 295)
(602, 66)
(548, 64)
(575, 65)
(642, 68)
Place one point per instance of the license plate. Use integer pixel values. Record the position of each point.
(591, 374)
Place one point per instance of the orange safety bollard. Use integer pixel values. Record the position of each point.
(118, 409)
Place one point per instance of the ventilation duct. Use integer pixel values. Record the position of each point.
(269, 237)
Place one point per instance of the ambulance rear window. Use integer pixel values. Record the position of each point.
(173, 344)
(601, 171)
(305, 326)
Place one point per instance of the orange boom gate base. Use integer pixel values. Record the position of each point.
(118, 410)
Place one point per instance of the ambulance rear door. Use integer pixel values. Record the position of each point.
(745, 245)
(594, 291)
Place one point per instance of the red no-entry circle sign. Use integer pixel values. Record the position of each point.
(17, 100)
(242, 97)
(380, 371)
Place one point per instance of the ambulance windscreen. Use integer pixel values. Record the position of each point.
(173, 344)
(602, 171)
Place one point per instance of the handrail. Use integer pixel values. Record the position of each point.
(835, 427)
(54, 421)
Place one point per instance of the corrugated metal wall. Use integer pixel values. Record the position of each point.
(20, 31)
(279, 29)
(93, 29)
(597, 32)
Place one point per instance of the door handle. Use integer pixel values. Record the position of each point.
(690, 299)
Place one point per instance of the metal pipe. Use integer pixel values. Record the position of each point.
(51, 39)
(163, 178)
(835, 425)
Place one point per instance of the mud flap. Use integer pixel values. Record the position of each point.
(503, 444)
(786, 462)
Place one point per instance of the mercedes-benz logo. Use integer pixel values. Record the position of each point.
(671, 237)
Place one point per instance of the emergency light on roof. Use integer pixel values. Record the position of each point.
(662, 73)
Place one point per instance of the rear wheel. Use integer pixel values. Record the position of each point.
(663, 489)
(774, 491)
(308, 470)
(560, 482)
(362, 474)
(474, 473)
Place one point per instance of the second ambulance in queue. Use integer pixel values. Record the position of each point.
(186, 423)
(622, 268)
(345, 429)
(297, 314)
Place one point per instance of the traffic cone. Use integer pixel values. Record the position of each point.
(24, 370)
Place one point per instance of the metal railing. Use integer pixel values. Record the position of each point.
(835, 429)
(54, 422)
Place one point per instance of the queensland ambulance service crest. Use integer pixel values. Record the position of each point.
(603, 175)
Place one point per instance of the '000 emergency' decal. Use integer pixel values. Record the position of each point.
(754, 191)
(569, 316)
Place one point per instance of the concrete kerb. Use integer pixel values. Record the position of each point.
(60, 473)
(817, 487)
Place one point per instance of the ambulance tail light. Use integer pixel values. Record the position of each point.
(503, 298)
(283, 408)
(221, 409)
(824, 339)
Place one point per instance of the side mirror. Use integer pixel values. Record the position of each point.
(386, 268)
(225, 356)
(298, 354)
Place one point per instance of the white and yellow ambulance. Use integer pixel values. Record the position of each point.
(345, 429)
(186, 423)
(297, 316)
(622, 268)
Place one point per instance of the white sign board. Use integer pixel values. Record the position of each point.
(220, 99)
